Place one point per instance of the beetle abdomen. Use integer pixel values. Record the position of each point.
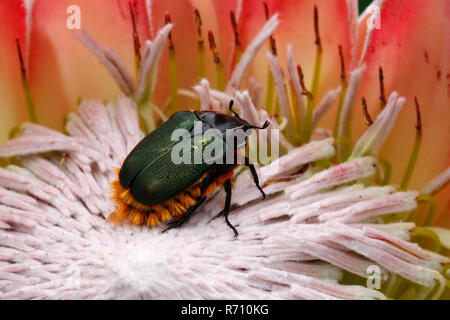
(138, 213)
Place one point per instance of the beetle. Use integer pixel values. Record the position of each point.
(151, 188)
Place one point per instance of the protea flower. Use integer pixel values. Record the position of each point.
(362, 104)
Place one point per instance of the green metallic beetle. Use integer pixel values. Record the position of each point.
(151, 188)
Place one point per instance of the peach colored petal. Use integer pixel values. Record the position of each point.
(215, 17)
(62, 70)
(225, 30)
(297, 28)
(184, 36)
(413, 47)
(211, 21)
(369, 17)
(12, 102)
(442, 212)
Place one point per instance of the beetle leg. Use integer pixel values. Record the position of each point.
(225, 212)
(255, 175)
(185, 217)
(176, 224)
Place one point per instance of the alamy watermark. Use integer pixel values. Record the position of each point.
(73, 21)
(374, 19)
(375, 276)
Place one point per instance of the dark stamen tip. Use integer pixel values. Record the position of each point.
(318, 41)
(300, 71)
(382, 91)
(302, 83)
(233, 20)
(198, 22)
(213, 47)
(266, 10)
(234, 25)
(137, 44)
(23, 70)
(341, 57)
(273, 45)
(168, 20)
(212, 44)
(366, 114)
(198, 18)
(419, 118)
(25, 84)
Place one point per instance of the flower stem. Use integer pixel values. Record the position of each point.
(316, 79)
(339, 110)
(387, 171)
(172, 71)
(295, 116)
(270, 93)
(310, 102)
(26, 86)
(29, 100)
(343, 92)
(319, 51)
(408, 294)
(137, 44)
(217, 61)
(308, 120)
(415, 152)
(317, 69)
(427, 233)
(237, 41)
(431, 210)
(220, 77)
(392, 285)
(146, 115)
(411, 163)
(201, 44)
(238, 54)
(173, 81)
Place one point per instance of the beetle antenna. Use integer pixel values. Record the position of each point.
(231, 109)
(265, 125)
